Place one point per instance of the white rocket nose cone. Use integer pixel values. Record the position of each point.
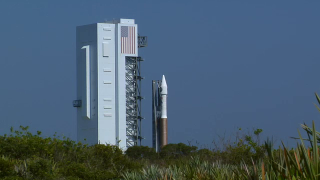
(164, 87)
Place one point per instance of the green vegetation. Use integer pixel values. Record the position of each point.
(24, 155)
(27, 156)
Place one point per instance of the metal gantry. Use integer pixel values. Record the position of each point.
(156, 113)
(133, 96)
(142, 41)
(133, 100)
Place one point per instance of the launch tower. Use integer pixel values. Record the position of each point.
(109, 83)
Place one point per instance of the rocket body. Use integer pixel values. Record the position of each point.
(163, 119)
(159, 114)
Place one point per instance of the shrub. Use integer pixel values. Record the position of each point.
(245, 148)
(78, 170)
(41, 168)
(177, 150)
(141, 152)
(205, 154)
(6, 167)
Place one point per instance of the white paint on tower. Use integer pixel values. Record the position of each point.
(101, 51)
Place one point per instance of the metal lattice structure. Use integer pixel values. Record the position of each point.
(156, 113)
(133, 101)
(142, 41)
(133, 96)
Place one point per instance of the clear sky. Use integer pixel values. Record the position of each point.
(228, 64)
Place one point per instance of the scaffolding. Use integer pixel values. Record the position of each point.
(133, 97)
(133, 100)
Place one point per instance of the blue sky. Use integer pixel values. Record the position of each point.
(228, 64)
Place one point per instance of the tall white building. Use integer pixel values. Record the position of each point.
(108, 82)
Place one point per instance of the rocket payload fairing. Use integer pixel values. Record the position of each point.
(159, 111)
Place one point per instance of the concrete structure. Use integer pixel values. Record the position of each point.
(107, 81)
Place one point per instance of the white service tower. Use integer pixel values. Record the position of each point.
(108, 83)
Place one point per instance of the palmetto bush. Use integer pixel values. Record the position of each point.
(24, 155)
(278, 164)
(299, 163)
(193, 169)
(310, 130)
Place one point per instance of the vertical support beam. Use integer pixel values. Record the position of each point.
(156, 109)
(140, 107)
(136, 78)
(154, 116)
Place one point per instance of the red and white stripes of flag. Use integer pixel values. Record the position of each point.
(128, 39)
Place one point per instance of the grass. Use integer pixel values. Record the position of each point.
(24, 155)
(28, 156)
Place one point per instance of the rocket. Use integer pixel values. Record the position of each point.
(159, 114)
(163, 119)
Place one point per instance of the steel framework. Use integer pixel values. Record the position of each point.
(133, 96)
(133, 100)
(142, 41)
(156, 114)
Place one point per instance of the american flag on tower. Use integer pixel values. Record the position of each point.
(128, 39)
